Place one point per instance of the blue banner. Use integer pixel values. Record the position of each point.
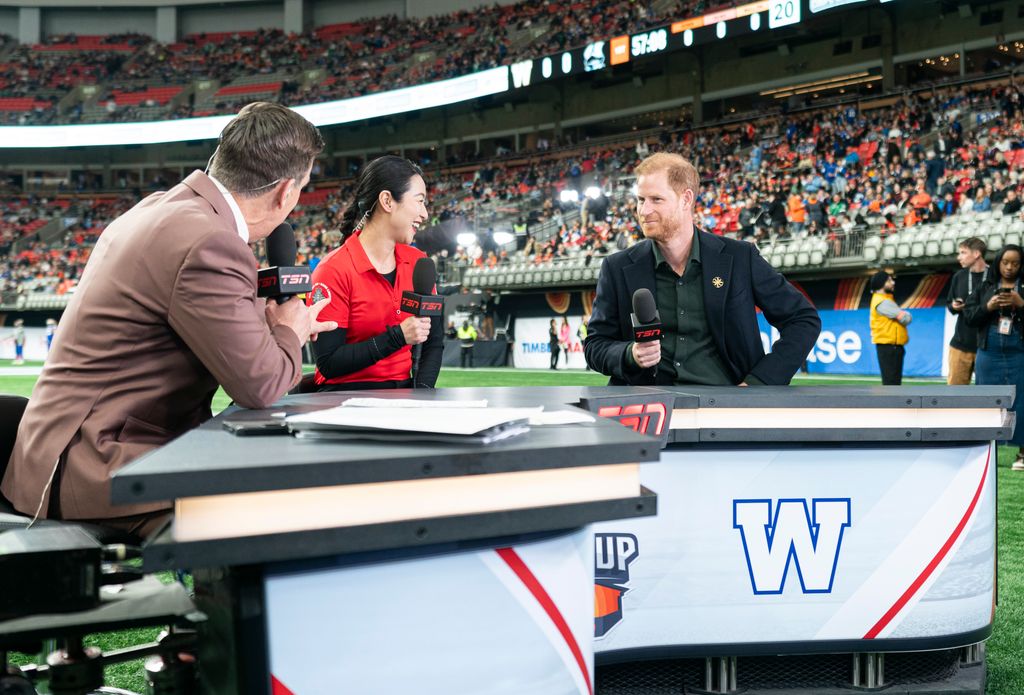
(844, 345)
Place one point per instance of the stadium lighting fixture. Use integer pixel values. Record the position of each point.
(820, 84)
(466, 239)
(815, 90)
(502, 238)
(592, 192)
(569, 195)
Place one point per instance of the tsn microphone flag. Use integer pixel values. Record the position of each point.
(422, 301)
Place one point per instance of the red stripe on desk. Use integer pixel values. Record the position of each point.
(943, 551)
(277, 687)
(531, 582)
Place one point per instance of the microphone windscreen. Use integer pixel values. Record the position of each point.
(281, 246)
(424, 275)
(644, 307)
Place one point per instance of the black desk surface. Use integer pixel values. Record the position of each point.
(209, 460)
(778, 397)
(689, 397)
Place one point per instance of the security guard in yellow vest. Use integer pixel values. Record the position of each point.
(888, 328)
(467, 338)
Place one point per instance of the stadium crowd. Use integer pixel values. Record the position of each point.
(823, 173)
(905, 160)
(346, 60)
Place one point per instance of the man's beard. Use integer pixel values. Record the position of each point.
(659, 231)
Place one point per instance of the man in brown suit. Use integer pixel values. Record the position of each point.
(167, 310)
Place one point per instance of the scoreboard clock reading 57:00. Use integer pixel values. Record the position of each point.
(649, 42)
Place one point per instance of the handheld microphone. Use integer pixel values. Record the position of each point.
(645, 319)
(422, 301)
(283, 279)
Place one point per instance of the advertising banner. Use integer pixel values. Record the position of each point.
(844, 345)
(35, 343)
(761, 547)
(532, 349)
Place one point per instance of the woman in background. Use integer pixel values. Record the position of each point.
(364, 279)
(553, 343)
(563, 339)
(996, 309)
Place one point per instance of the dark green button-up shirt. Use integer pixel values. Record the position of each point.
(688, 351)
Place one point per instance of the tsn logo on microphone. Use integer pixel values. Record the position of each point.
(296, 279)
(411, 304)
(646, 334)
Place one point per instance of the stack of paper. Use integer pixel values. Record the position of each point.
(472, 425)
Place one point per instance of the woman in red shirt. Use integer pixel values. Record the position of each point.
(365, 278)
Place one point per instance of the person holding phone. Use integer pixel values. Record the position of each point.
(996, 311)
(964, 343)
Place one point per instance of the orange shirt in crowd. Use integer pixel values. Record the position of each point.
(921, 200)
(797, 209)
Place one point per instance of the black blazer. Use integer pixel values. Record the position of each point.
(748, 280)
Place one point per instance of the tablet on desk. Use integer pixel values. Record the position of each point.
(268, 421)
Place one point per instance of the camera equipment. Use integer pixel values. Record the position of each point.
(53, 569)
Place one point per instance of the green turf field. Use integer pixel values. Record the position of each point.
(1005, 648)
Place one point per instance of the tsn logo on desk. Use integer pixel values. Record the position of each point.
(646, 415)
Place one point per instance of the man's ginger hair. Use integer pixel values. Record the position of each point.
(681, 174)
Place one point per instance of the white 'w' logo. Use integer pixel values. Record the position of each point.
(792, 536)
(521, 73)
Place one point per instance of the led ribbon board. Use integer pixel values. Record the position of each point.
(424, 96)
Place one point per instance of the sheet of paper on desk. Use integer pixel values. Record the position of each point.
(466, 421)
(561, 417)
(410, 403)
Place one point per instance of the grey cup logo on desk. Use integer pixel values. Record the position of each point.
(808, 537)
(613, 554)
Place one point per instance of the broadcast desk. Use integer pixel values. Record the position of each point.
(817, 539)
(368, 567)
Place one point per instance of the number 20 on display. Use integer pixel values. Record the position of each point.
(783, 13)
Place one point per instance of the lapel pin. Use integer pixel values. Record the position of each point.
(718, 282)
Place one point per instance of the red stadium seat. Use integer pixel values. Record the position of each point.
(262, 88)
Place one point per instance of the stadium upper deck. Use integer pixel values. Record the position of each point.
(896, 181)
